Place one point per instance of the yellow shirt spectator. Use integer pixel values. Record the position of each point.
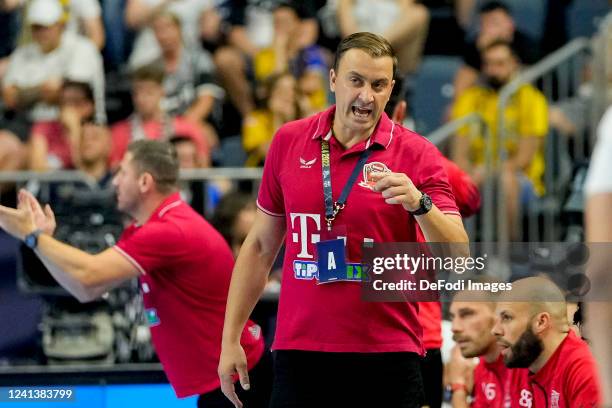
(525, 116)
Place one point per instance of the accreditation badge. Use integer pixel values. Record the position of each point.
(331, 255)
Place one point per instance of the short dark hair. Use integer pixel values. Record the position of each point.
(227, 213)
(158, 159)
(375, 45)
(494, 6)
(150, 72)
(84, 87)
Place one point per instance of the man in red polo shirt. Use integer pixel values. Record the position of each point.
(332, 348)
(533, 332)
(472, 315)
(183, 263)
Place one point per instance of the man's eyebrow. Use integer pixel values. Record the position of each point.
(357, 74)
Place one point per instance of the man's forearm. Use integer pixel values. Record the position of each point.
(67, 281)
(439, 227)
(248, 282)
(459, 399)
(73, 263)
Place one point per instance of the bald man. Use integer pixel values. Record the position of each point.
(533, 332)
(472, 315)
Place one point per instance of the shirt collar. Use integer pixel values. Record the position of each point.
(169, 202)
(382, 135)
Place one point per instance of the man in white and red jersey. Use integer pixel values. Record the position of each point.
(183, 263)
(533, 331)
(472, 315)
(332, 348)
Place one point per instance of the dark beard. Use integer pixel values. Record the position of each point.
(525, 351)
(494, 83)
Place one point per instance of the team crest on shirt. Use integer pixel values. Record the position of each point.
(255, 331)
(306, 164)
(368, 169)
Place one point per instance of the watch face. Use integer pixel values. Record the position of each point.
(30, 241)
(426, 202)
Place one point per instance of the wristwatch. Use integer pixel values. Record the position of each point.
(31, 240)
(425, 205)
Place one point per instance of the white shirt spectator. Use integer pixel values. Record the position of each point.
(599, 179)
(146, 48)
(76, 58)
(81, 10)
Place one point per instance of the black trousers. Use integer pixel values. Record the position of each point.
(258, 396)
(320, 380)
(432, 371)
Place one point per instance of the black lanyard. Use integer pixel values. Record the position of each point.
(333, 208)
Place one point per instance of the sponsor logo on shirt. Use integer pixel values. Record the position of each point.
(152, 317)
(308, 270)
(304, 164)
(255, 331)
(526, 398)
(368, 169)
(554, 399)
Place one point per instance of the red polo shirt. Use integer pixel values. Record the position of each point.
(332, 317)
(569, 379)
(186, 267)
(493, 384)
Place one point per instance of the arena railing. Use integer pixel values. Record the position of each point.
(559, 75)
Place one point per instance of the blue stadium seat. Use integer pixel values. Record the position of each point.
(432, 91)
(529, 16)
(584, 16)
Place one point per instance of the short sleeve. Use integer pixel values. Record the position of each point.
(16, 63)
(85, 9)
(598, 179)
(270, 198)
(434, 180)
(533, 120)
(151, 247)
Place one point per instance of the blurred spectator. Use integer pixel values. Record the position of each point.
(85, 17)
(189, 82)
(56, 144)
(526, 126)
(280, 106)
(36, 71)
(151, 121)
(234, 217)
(139, 15)
(287, 54)
(402, 22)
(94, 152)
(495, 23)
(249, 27)
(9, 27)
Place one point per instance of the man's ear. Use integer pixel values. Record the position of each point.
(332, 80)
(145, 182)
(541, 322)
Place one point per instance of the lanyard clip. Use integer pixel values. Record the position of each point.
(329, 221)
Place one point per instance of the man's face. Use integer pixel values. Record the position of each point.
(47, 37)
(147, 96)
(363, 86)
(95, 144)
(471, 325)
(127, 186)
(187, 154)
(166, 31)
(520, 345)
(286, 21)
(75, 98)
(242, 225)
(499, 66)
(497, 25)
